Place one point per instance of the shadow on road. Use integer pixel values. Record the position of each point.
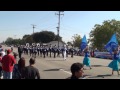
(98, 66)
(56, 69)
(102, 76)
(55, 60)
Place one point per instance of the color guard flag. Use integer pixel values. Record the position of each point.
(112, 44)
(83, 43)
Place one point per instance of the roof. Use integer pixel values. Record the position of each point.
(56, 41)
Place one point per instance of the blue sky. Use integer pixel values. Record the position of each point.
(15, 24)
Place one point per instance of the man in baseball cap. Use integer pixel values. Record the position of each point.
(8, 62)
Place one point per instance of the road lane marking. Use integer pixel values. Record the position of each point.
(65, 71)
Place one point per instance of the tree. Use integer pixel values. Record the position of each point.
(25, 36)
(29, 39)
(25, 39)
(58, 37)
(69, 43)
(16, 41)
(45, 37)
(101, 34)
(76, 40)
(38, 37)
(9, 41)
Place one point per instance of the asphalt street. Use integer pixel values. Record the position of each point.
(57, 68)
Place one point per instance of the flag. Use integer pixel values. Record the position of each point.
(112, 44)
(83, 43)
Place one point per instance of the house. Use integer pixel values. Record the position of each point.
(53, 43)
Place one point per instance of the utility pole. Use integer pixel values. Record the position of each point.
(33, 27)
(58, 28)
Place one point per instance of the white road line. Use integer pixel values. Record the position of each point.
(84, 77)
(65, 71)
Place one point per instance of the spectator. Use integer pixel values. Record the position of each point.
(8, 62)
(15, 55)
(77, 71)
(19, 68)
(3, 52)
(0, 65)
(30, 71)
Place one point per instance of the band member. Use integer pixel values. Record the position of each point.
(20, 51)
(72, 51)
(38, 50)
(64, 52)
(47, 50)
(27, 50)
(58, 51)
(50, 49)
(54, 51)
(86, 60)
(67, 51)
(24, 49)
(35, 51)
(30, 50)
(44, 50)
(41, 51)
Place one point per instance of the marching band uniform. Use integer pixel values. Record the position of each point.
(38, 50)
(72, 50)
(47, 50)
(20, 51)
(35, 51)
(30, 50)
(44, 51)
(54, 51)
(58, 51)
(64, 52)
(67, 52)
(27, 49)
(41, 51)
(50, 49)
